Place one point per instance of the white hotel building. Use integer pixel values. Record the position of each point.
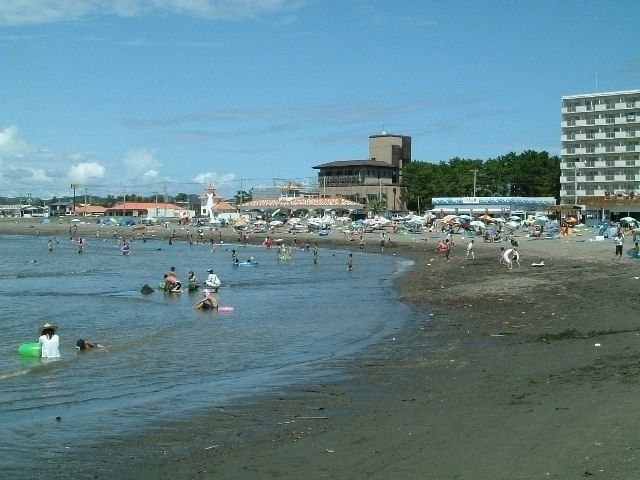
(600, 155)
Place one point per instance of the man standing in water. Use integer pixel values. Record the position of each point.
(350, 262)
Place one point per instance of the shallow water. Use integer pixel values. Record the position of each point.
(162, 355)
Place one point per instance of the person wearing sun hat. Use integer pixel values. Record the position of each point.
(209, 302)
(49, 341)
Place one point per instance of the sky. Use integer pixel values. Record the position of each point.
(166, 96)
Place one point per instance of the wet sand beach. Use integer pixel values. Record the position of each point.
(504, 374)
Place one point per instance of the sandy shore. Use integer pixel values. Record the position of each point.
(505, 374)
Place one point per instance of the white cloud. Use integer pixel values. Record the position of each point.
(83, 172)
(140, 163)
(11, 145)
(224, 184)
(23, 12)
(212, 177)
(150, 175)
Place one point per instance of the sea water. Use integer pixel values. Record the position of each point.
(161, 355)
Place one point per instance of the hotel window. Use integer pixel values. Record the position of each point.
(610, 105)
(610, 163)
(630, 163)
(591, 120)
(571, 108)
(610, 148)
(591, 135)
(589, 104)
(631, 147)
(630, 176)
(571, 136)
(571, 122)
(631, 117)
(610, 119)
(610, 134)
(591, 148)
(589, 163)
(571, 150)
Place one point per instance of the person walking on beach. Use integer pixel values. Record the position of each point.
(49, 341)
(619, 241)
(470, 252)
(448, 245)
(516, 256)
(382, 242)
(361, 243)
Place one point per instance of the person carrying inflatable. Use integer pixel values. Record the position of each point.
(209, 302)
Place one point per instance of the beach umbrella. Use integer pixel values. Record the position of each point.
(275, 223)
(477, 224)
(628, 220)
(465, 217)
(515, 218)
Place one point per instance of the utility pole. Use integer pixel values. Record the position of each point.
(165, 200)
(74, 186)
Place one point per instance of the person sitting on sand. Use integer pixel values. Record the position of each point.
(209, 302)
(82, 344)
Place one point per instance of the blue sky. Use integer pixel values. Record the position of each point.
(143, 96)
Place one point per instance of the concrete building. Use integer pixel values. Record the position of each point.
(600, 155)
(374, 179)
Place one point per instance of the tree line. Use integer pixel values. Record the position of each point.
(528, 174)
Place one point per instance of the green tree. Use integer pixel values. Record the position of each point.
(529, 174)
(376, 206)
(242, 196)
(182, 198)
(109, 201)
